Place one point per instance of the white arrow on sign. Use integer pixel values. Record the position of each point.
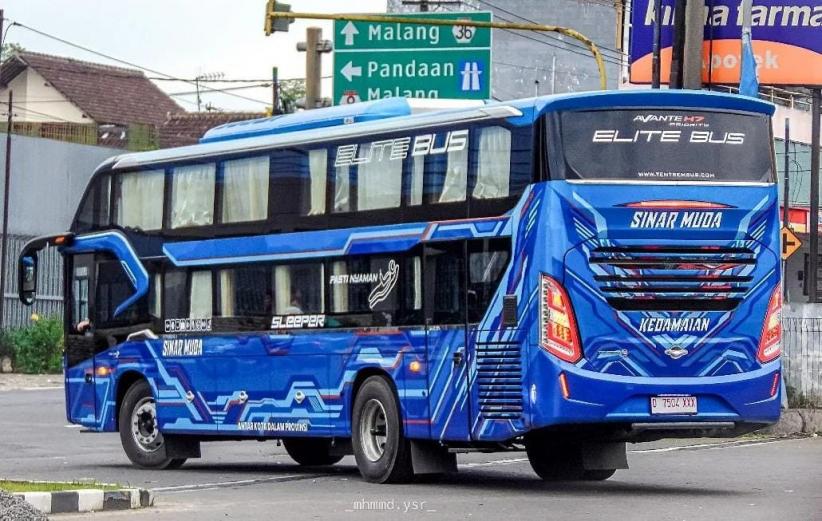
(349, 71)
(349, 31)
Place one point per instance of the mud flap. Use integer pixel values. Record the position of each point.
(181, 446)
(430, 458)
(604, 456)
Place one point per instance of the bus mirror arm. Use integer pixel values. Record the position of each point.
(27, 264)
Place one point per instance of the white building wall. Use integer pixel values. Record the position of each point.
(36, 101)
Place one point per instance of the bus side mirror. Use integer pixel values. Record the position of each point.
(27, 279)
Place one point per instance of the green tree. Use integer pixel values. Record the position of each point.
(10, 49)
(290, 92)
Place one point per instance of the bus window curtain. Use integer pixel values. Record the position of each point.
(379, 181)
(201, 296)
(342, 189)
(227, 296)
(140, 201)
(282, 288)
(245, 190)
(417, 173)
(456, 177)
(318, 166)
(494, 164)
(192, 195)
(339, 292)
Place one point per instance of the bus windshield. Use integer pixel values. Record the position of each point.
(666, 145)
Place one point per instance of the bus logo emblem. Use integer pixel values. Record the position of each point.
(676, 352)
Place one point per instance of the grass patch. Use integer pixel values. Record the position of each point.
(52, 486)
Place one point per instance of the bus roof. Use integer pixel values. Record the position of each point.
(347, 121)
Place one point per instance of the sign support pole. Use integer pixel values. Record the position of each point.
(786, 201)
(813, 263)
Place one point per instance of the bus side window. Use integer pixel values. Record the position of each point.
(114, 287)
(245, 190)
(174, 289)
(138, 200)
(493, 163)
(299, 289)
(446, 174)
(445, 283)
(192, 195)
(487, 261)
(200, 297)
(245, 291)
(379, 181)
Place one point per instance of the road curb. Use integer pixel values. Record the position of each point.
(797, 421)
(88, 500)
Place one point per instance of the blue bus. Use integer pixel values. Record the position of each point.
(561, 275)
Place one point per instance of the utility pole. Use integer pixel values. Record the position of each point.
(275, 91)
(814, 202)
(5, 242)
(656, 67)
(694, 37)
(314, 47)
(678, 46)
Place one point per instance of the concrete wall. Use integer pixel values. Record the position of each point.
(521, 59)
(47, 180)
(35, 100)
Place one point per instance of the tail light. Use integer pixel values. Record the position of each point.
(558, 327)
(770, 345)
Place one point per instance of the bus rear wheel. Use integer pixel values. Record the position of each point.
(382, 451)
(141, 438)
(558, 461)
(311, 452)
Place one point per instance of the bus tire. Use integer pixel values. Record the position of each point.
(311, 452)
(556, 461)
(141, 439)
(382, 451)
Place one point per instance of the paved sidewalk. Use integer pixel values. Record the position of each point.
(22, 382)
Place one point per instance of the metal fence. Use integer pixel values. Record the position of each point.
(49, 301)
(802, 361)
(134, 137)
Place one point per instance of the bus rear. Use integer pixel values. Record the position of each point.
(657, 311)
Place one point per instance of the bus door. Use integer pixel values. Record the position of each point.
(80, 344)
(446, 340)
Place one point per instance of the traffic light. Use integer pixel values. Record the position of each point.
(276, 24)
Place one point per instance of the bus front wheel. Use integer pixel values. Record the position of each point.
(311, 452)
(382, 451)
(142, 440)
(557, 461)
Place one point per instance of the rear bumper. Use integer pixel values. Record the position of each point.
(727, 405)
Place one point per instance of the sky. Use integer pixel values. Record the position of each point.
(181, 38)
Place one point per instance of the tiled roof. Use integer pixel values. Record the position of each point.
(187, 128)
(106, 94)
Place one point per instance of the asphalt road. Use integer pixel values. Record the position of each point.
(688, 480)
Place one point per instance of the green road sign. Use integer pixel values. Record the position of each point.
(379, 60)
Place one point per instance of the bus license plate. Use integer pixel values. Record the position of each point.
(681, 404)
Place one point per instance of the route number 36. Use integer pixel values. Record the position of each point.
(463, 33)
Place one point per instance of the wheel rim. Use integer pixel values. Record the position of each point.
(144, 425)
(373, 430)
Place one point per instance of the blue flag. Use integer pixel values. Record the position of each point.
(748, 82)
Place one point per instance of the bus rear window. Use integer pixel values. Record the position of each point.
(666, 145)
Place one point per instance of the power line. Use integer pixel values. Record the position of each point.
(529, 20)
(130, 64)
(550, 43)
